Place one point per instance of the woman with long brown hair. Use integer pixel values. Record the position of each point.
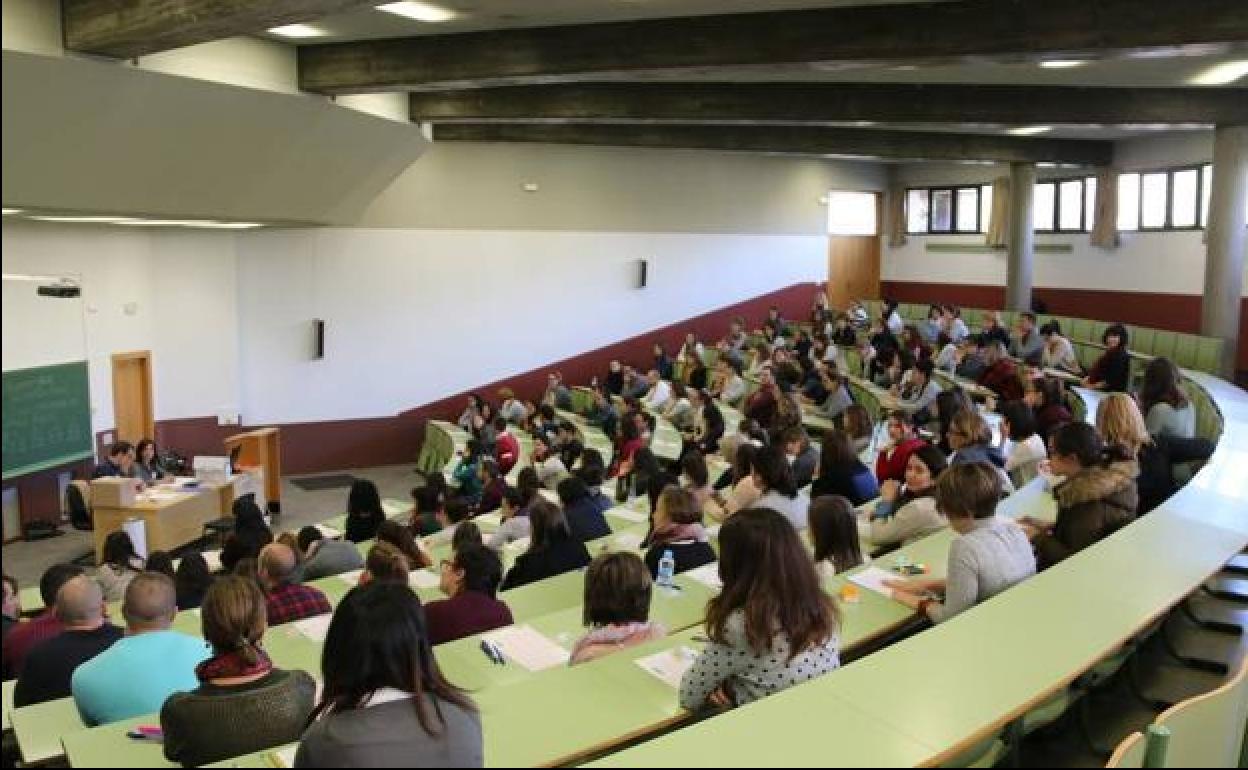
(772, 626)
(386, 703)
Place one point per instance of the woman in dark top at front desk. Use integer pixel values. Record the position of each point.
(148, 466)
(1112, 371)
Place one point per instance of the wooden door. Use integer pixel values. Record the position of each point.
(853, 268)
(132, 396)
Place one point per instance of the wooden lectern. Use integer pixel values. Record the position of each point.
(261, 448)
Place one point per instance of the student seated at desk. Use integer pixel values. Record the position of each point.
(492, 486)
(470, 579)
(191, 581)
(1112, 371)
(23, 637)
(1097, 498)
(918, 393)
(467, 473)
(454, 513)
(324, 557)
(242, 704)
(1001, 376)
(1029, 346)
(1027, 449)
(1048, 402)
(707, 429)
(1167, 409)
(774, 478)
(729, 385)
(679, 410)
(546, 460)
(971, 358)
(506, 446)
(971, 440)
(841, 472)
(990, 554)
(584, 513)
(364, 511)
(859, 426)
(385, 564)
(552, 548)
(904, 515)
(12, 611)
(946, 358)
(891, 462)
(603, 414)
(802, 455)
(1057, 352)
(85, 632)
(286, 601)
(139, 671)
(744, 494)
(616, 607)
(119, 463)
(834, 535)
(515, 521)
(400, 537)
(771, 627)
(120, 565)
(250, 534)
(509, 408)
(426, 504)
(568, 444)
(954, 324)
(659, 393)
(695, 478)
(386, 703)
(676, 528)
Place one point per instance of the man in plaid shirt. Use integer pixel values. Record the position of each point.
(287, 601)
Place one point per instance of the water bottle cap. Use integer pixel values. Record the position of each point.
(667, 552)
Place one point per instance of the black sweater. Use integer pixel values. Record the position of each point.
(555, 559)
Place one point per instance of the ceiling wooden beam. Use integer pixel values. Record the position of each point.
(762, 103)
(796, 140)
(125, 29)
(965, 31)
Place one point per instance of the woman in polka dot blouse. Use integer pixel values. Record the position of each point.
(771, 627)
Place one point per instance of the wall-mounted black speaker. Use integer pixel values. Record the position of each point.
(643, 269)
(318, 329)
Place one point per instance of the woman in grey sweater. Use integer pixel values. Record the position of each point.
(385, 703)
(990, 555)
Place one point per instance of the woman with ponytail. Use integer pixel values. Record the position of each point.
(1097, 497)
(243, 704)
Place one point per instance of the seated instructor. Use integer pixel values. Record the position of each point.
(120, 462)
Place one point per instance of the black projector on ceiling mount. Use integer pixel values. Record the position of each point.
(60, 291)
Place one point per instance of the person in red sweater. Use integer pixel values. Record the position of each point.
(471, 580)
(506, 447)
(892, 460)
(763, 404)
(1001, 376)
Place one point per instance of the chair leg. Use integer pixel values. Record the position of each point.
(1216, 626)
(1225, 595)
(1133, 685)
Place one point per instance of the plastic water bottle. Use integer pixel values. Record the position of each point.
(667, 569)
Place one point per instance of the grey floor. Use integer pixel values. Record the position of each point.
(27, 561)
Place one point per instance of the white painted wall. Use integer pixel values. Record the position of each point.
(1165, 262)
(182, 285)
(250, 62)
(414, 315)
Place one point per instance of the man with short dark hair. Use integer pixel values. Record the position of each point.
(137, 674)
(119, 463)
(802, 455)
(1029, 346)
(471, 580)
(285, 600)
(49, 667)
(25, 636)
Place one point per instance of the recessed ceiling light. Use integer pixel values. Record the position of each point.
(1063, 64)
(297, 30)
(419, 11)
(863, 123)
(1029, 130)
(12, 211)
(80, 219)
(1221, 74)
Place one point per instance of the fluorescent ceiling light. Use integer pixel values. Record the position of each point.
(1029, 130)
(419, 11)
(12, 211)
(96, 220)
(297, 30)
(1063, 64)
(1221, 74)
(190, 223)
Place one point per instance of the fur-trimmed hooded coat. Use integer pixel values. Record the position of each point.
(1091, 505)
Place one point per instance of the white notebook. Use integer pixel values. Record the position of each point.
(625, 513)
(525, 646)
(873, 578)
(707, 575)
(315, 628)
(669, 666)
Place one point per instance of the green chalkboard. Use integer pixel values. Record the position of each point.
(47, 418)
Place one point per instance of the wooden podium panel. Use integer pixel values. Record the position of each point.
(261, 448)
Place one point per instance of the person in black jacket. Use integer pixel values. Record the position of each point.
(708, 425)
(250, 534)
(50, 666)
(1112, 371)
(552, 548)
(364, 511)
(584, 513)
(677, 527)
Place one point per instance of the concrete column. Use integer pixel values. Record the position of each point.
(1224, 260)
(1022, 247)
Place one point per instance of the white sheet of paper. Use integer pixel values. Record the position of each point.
(713, 531)
(315, 628)
(873, 578)
(527, 647)
(670, 665)
(329, 532)
(628, 541)
(707, 575)
(423, 578)
(625, 513)
(394, 507)
(213, 559)
(351, 578)
(519, 546)
(286, 757)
